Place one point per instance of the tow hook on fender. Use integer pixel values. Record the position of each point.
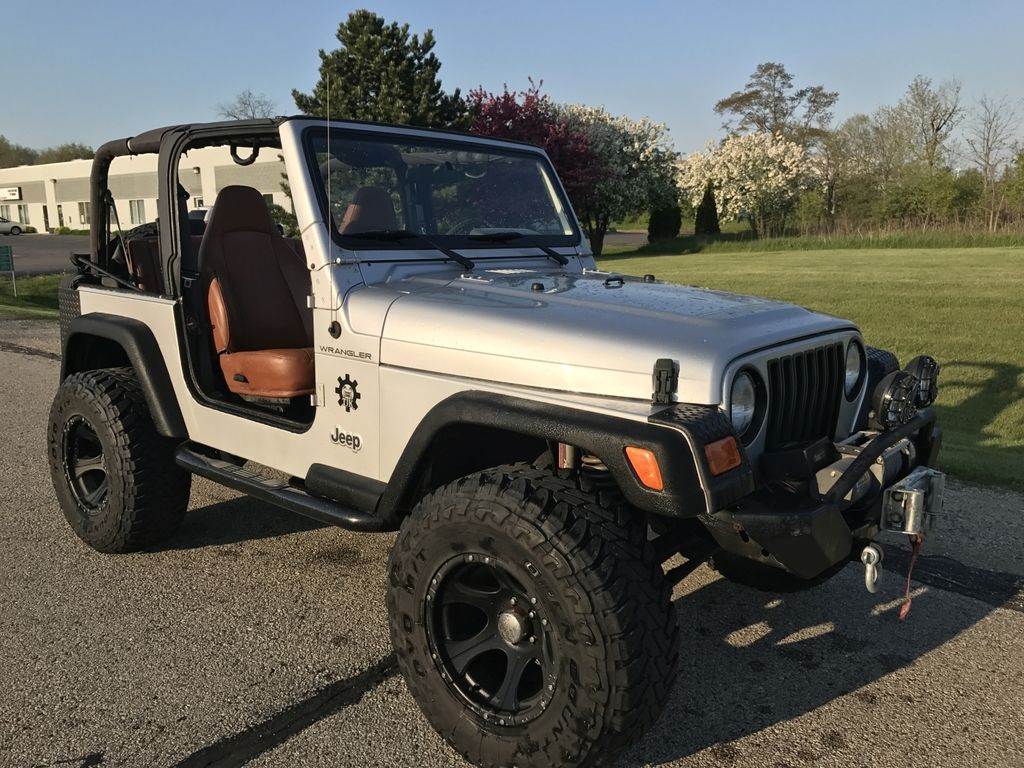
(871, 556)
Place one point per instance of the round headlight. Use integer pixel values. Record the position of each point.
(742, 402)
(854, 368)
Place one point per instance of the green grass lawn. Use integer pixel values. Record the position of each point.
(965, 307)
(37, 297)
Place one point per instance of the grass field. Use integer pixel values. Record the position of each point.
(965, 307)
(37, 297)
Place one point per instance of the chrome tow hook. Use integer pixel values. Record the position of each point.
(871, 556)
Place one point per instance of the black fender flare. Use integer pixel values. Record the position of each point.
(603, 435)
(143, 353)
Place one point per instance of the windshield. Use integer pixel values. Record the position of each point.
(457, 193)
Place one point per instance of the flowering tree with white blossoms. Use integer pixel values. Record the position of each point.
(637, 168)
(756, 177)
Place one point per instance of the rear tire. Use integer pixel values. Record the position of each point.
(113, 473)
(15, 230)
(593, 619)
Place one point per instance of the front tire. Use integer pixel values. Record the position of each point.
(15, 230)
(113, 473)
(531, 619)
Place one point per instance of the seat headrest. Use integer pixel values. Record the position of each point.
(371, 209)
(239, 209)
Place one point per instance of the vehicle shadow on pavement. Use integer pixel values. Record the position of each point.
(235, 521)
(987, 407)
(749, 660)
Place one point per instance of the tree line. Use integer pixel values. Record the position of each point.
(929, 160)
(12, 154)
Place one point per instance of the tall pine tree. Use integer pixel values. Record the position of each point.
(384, 74)
(706, 219)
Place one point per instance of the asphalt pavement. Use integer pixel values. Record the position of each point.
(44, 254)
(258, 637)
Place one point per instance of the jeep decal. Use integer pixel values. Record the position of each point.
(348, 393)
(329, 350)
(347, 439)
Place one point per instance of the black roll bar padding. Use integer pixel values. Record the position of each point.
(97, 192)
(872, 451)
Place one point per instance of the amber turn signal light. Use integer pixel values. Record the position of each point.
(722, 455)
(645, 465)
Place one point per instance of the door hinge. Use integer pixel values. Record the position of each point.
(317, 399)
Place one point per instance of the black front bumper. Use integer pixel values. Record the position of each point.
(807, 536)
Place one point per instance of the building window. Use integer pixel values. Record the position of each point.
(197, 202)
(84, 213)
(5, 212)
(269, 200)
(23, 214)
(137, 208)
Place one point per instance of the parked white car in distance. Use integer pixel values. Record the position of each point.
(8, 227)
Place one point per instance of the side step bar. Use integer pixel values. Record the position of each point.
(274, 491)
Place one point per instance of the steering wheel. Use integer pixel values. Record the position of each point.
(468, 224)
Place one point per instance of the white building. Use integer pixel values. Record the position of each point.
(57, 194)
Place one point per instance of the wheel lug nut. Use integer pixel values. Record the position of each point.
(531, 614)
(470, 558)
(544, 622)
(533, 600)
(513, 601)
(533, 639)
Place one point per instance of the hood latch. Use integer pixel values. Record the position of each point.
(666, 381)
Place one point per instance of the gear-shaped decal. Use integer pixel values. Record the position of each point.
(348, 393)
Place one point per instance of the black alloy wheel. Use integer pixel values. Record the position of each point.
(490, 640)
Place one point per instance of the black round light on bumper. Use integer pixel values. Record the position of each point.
(894, 401)
(926, 371)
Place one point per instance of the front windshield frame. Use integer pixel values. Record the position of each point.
(455, 141)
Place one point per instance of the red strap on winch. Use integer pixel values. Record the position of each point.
(916, 541)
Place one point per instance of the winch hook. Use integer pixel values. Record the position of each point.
(871, 556)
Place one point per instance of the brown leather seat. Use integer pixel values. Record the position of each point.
(256, 284)
(371, 209)
(144, 263)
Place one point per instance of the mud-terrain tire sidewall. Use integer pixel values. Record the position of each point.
(148, 493)
(593, 572)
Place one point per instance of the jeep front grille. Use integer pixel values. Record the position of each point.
(804, 391)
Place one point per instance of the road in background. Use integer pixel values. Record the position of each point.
(44, 254)
(258, 637)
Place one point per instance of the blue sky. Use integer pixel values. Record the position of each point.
(89, 72)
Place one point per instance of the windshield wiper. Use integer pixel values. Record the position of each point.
(394, 235)
(384, 235)
(501, 237)
(495, 237)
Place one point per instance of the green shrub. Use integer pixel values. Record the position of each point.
(706, 219)
(664, 223)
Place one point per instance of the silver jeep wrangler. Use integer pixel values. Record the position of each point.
(436, 353)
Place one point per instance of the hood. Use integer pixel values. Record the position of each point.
(583, 332)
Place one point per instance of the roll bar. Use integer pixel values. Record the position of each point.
(143, 144)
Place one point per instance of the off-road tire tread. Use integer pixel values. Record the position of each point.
(611, 561)
(155, 489)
